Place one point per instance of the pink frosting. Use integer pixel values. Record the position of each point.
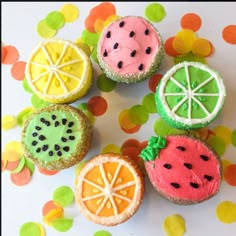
(126, 44)
(162, 177)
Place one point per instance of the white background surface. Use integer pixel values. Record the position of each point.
(23, 204)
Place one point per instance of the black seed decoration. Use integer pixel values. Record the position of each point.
(38, 128)
(119, 65)
(47, 123)
(146, 32)
(56, 123)
(140, 67)
(132, 54)
(56, 147)
(45, 147)
(42, 120)
(34, 134)
(188, 165)
(38, 150)
(64, 121)
(66, 149)
(208, 177)
(63, 139)
(131, 34)
(116, 45)
(71, 124)
(148, 50)
(69, 131)
(72, 137)
(105, 53)
(175, 185)
(59, 153)
(34, 143)
(194, 185)
(50, 153)
(181, 148)
(42, 137)
(121, 23)
(108, 34)
(204, 158)
(167, 166)
(53, 117)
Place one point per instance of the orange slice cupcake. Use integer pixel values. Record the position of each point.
(109, 189)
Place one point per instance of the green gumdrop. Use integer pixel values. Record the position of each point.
(149, 103)
(161, 127)
(63, 196)
(105, 84)
(233, 138)
(155, 12)
(217, 144)
(138, 114)
(90, 38)
(26, 86)
(62, 224)
(102, 233)
(37, 102)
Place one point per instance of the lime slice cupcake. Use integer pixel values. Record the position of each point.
(58, 71)
(190, 95)
(130, 50)
(56, 137)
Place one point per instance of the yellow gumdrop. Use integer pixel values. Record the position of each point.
(224, 133)
(174, 225)
(110, 148)
(226, 212)
(183, 41)
(8, 122)
(201, 47)
(99, 25)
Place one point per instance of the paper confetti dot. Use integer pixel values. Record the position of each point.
(70, 12)
(223, 132)
(62, 224)
(229, 34)
(148, 102)
(10, 54)
(132, 152)
(20, 166)
(138, 114)
(84, 46)
(26, 86)
(154, 81)
(30, 165)
(217, 144)
(18, 70)
(189, 57)
(155, 12)
(233, 138)
(47, 172)
(174, 225)
(8, 122)
(105, 84)
(48, 206)
(201, 47)
(10, 165)
(29, 229)
(13, 146)
(169, 49)
(230, 174)
(79, 166)
(21, 178)
(55, 20)
(110, 148)
(53, 214)
(191, 21)
(22, 115)
(102, 233)
(97, 105)
(44, 30)
(99, 25)
(161, 127)
(226, 212)
(38, 102)
(63, 196)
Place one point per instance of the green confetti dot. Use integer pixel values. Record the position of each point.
(155, 12)
(26, 86)
(149, 103)
(102, 233)
(21, 116)
(233, 138)
(94, 55)
(217, 144)
(55, 20)
(83, 106)
(90, 38)
(189, 57)
(20, 166)
(44, 30)
(62, 224)
(29, 229)
(63, 196)
(37, 102)
(105, 84)
(30, 165)
(138, 114)
(177, 131)
(161, 127)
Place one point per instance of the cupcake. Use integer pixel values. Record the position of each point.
(56, 137)
(109, 189)
(183, 169)
(130, 50)
(190, 95)
(58, 71)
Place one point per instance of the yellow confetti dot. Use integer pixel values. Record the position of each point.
(42, 230)
(226, 212)
(11, 155)
(79, 42)
(183, 41)
(70, 12)
(174, 225)
(13, 146)
(111, 148)
(201, 47)
(53, 214)
(110, 19)
(80, 166)
(224, 133)
(99, 25)
(225, 163)
(8, 122)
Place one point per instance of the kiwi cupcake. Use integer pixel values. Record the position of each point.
(56, 137)
(190, 95)
(59, 71)
(130, 49)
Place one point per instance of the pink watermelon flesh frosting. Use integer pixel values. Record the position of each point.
(129, 45)
(185, 171)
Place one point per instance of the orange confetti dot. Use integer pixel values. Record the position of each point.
(21, 178)
(124, 121)
(131, 152)
(229, 34)
(130, 143)
(9, 54)
(11, 165)
(53, 214)
(230, 174)
(133, 130)
(47, 172)
(191, 21)
(201, 47)
(154, 81)
(18, 70)
(48, 206)
(97, 105)
(168, 46)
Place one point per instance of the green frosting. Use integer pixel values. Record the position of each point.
(151, 151)
(52, 135)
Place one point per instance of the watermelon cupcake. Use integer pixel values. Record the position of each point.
(130, 50)
(183, 169)
(190, 95)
